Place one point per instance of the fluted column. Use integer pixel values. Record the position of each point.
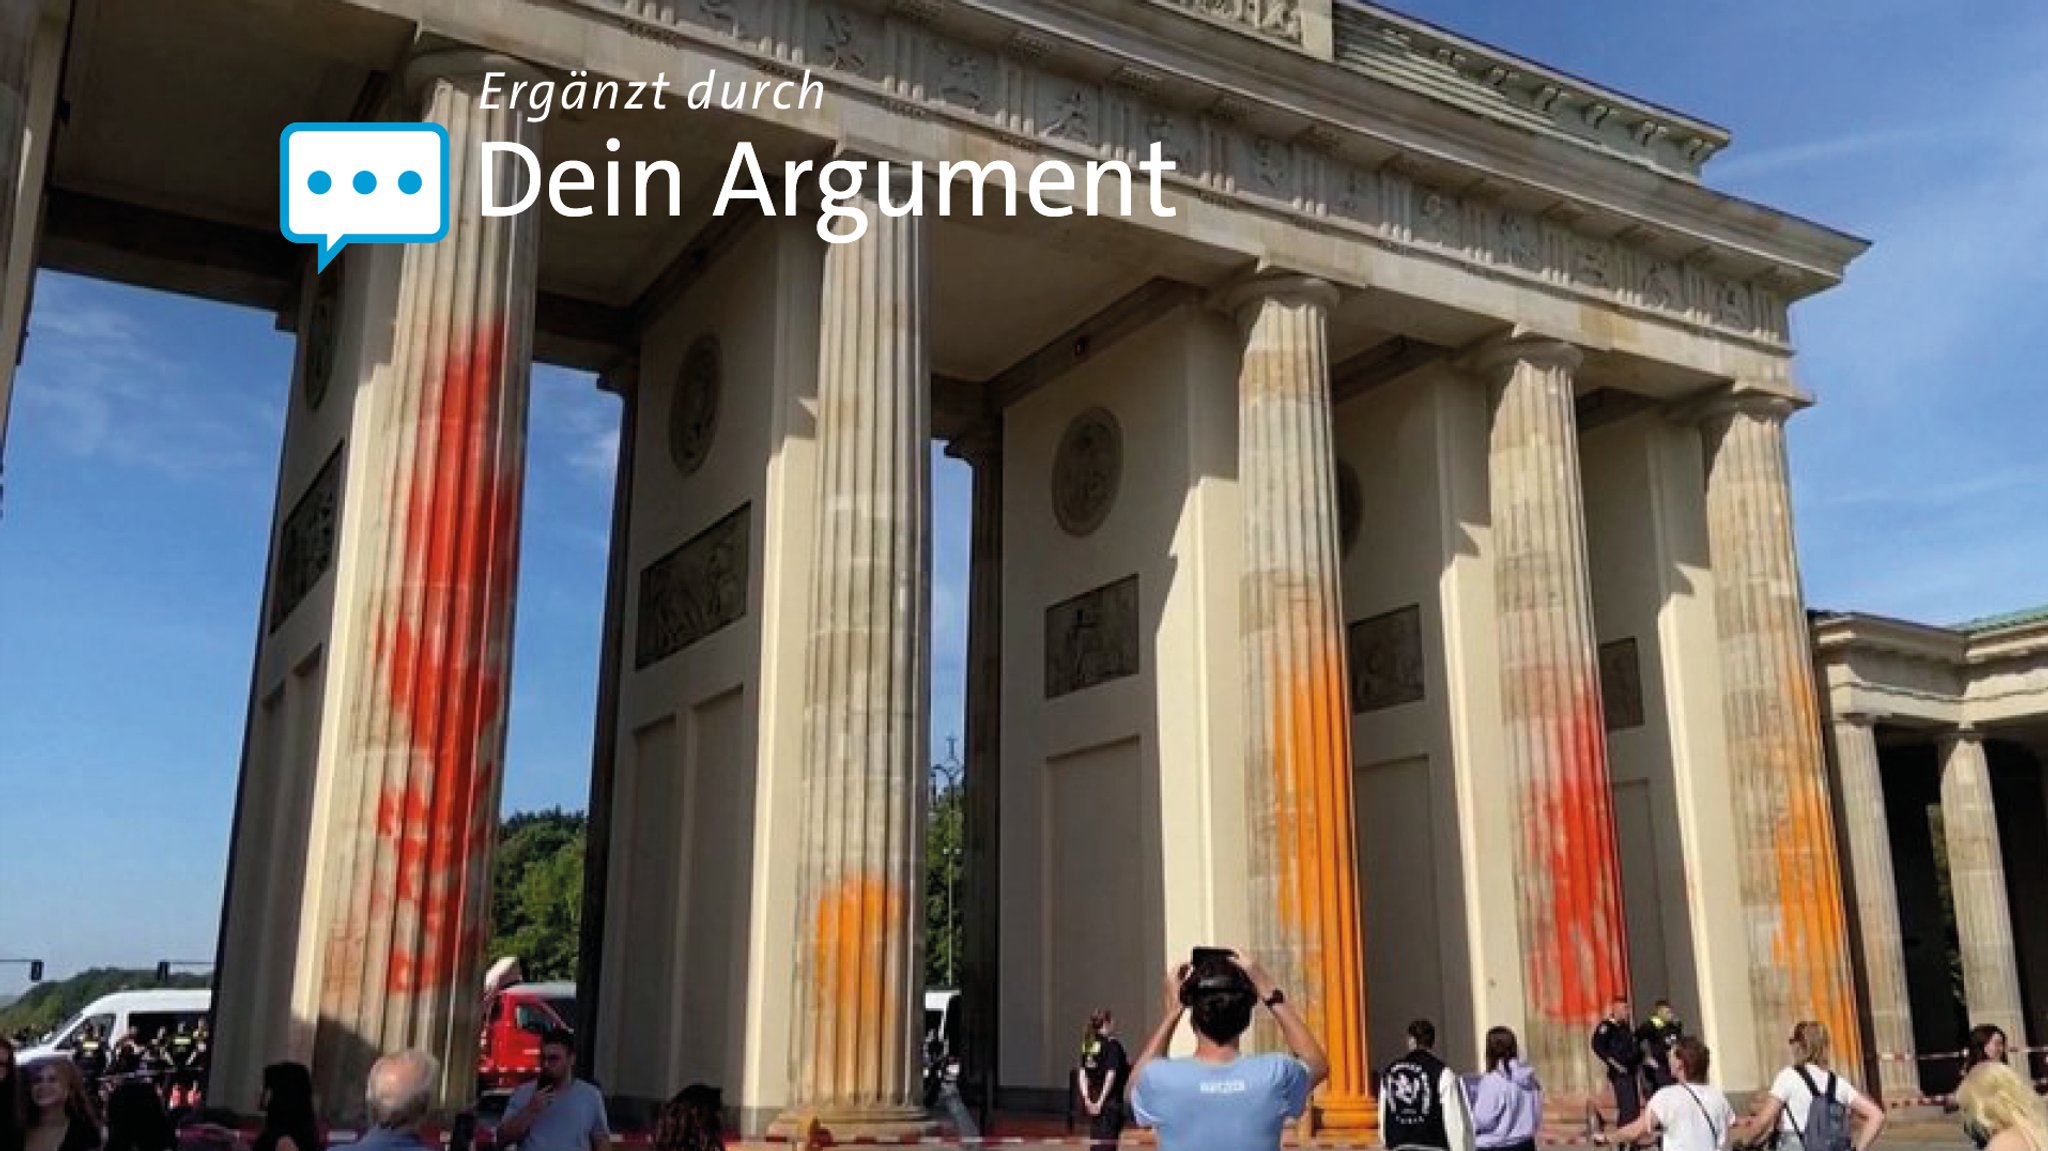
(982, 449)
(17, 49)
(1574, 942)
(1784, 826)
(428, 651)
(1877, 905)
(1298, 764)
(1976, 880)
(860, 902)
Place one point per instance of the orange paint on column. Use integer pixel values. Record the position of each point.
(1312, 780)
(851, 924)
(446, 667)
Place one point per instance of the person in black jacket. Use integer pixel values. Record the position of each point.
(1658, 1034)
(1422, 1101)
(1614, 1044)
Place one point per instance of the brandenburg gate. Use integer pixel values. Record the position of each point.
(1384, 562)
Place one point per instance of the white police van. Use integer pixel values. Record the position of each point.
(145, 1012)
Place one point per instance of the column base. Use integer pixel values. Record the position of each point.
(1347, 1113)
(823, 1127)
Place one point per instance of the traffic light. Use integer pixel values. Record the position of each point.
(163, 972)
(35, 971)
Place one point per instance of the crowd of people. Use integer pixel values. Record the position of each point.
(1216, 1099)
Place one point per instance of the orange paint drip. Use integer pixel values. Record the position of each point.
(1317, 856)
(852, 923)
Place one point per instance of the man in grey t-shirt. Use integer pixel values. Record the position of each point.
(557, 1112)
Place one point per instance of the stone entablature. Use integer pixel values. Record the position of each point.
(1411, 54)
(1241, 141)
(1871, 665)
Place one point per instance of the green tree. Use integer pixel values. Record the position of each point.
(48, 1004)
(537, 892)
(944, 843)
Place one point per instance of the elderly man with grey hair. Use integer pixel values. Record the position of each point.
(399, 1094)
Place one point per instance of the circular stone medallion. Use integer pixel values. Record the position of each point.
(693, 411)
(1086, 471)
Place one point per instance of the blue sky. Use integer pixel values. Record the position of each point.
(139, 470)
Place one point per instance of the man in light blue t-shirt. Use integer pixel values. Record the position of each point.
(557, 1112)
(1220, 1099)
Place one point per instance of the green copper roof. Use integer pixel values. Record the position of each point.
(2005, 620)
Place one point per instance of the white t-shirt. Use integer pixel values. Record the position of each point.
(1791, 1090)
(1695, 1117)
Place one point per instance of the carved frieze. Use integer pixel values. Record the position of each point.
(693, 409)
(1087, 470)
(305, 542)
(694, 590)
(1026, 98)
(1621, 684)
(1386, 659)
(1092, 638)
(1280, 19)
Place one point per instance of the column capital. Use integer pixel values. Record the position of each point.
(1495, 359)
(1772, 402)
(1240, 298)
(1862, 719)
(459, 62)
(1963, 733)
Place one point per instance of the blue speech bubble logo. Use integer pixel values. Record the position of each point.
(341, 184)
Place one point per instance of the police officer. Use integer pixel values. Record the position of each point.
(1614, 1044)
(91, 1054)
(1657, 1035)
(181, 1056)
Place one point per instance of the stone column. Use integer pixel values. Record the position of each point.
(982, 449)
(1297, 722)
(622, 380)
(18, 20)
(1976, 879)
(860, 903)
(1877, 905)
(1574, 941)
(1784, 826)
(427, 635)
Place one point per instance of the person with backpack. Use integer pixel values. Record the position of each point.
(1809, 1106)
(1689, 1114)
(1422, 1103)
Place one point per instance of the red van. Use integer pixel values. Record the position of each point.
(515, 1016)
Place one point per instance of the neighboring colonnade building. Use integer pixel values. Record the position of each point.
(1940, 738)
(1386, 561)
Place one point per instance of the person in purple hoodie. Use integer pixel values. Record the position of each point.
(1507, 1101)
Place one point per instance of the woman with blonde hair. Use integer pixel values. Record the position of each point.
(1790, 1105)
(2000, 1112)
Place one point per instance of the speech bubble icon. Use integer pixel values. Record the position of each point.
(344, 184)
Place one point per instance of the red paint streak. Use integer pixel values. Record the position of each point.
(1584, 958)
(447, 632)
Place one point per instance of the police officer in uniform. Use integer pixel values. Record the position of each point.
(91, 1055)
(1658, 1034)
(1614, 1044)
